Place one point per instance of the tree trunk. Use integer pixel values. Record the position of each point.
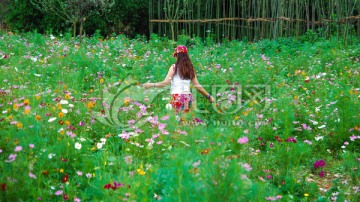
(74, 27)
(81, 30)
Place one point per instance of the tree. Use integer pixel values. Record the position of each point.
(74, 11)
(173, 12)
(3, 11)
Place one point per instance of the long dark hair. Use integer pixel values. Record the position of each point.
(184, 66)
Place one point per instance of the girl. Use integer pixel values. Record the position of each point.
(180, 75)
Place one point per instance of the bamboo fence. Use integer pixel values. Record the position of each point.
(255, 19)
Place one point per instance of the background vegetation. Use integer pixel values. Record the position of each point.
(232, 19)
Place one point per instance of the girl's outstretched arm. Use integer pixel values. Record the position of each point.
(201, 89)
(164, 83)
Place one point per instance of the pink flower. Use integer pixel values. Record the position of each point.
(18, 148)
(263, 57)
(197, 163)
(12, 157)
(353, 137)
(59, 192)
(79, 173)
(31, 175)
(246, 166)
(243, 140)
(165, 118)
(31, 145)
(128, 159)
(77, 200)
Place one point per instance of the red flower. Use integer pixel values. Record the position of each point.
(3, 186)
(107, 186)
(65, 197)
(278, 138)
(65, 178)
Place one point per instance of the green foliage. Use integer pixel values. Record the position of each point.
(52, 88)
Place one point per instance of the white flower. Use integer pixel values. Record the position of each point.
(65, 111)
(34, 59)
(314, 122)
(103, 140)
(52, 119)
(38, 75)
(318, 108)
(71, 105)
(51, 155)
(168, 106)
(99, 145)
(77, 146)
(52, 37)
(317, 138)
(64, 102)
(322, 126)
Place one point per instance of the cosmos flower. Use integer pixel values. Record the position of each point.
(319, 164)
(243, 140)
(78, 145)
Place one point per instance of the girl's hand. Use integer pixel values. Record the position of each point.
(147, 85)
(211, 99)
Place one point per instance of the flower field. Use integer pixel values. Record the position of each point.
(76, 124)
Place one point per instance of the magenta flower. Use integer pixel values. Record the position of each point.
(319, 164)
(291, 139)
(322, 173)
(243, 140)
